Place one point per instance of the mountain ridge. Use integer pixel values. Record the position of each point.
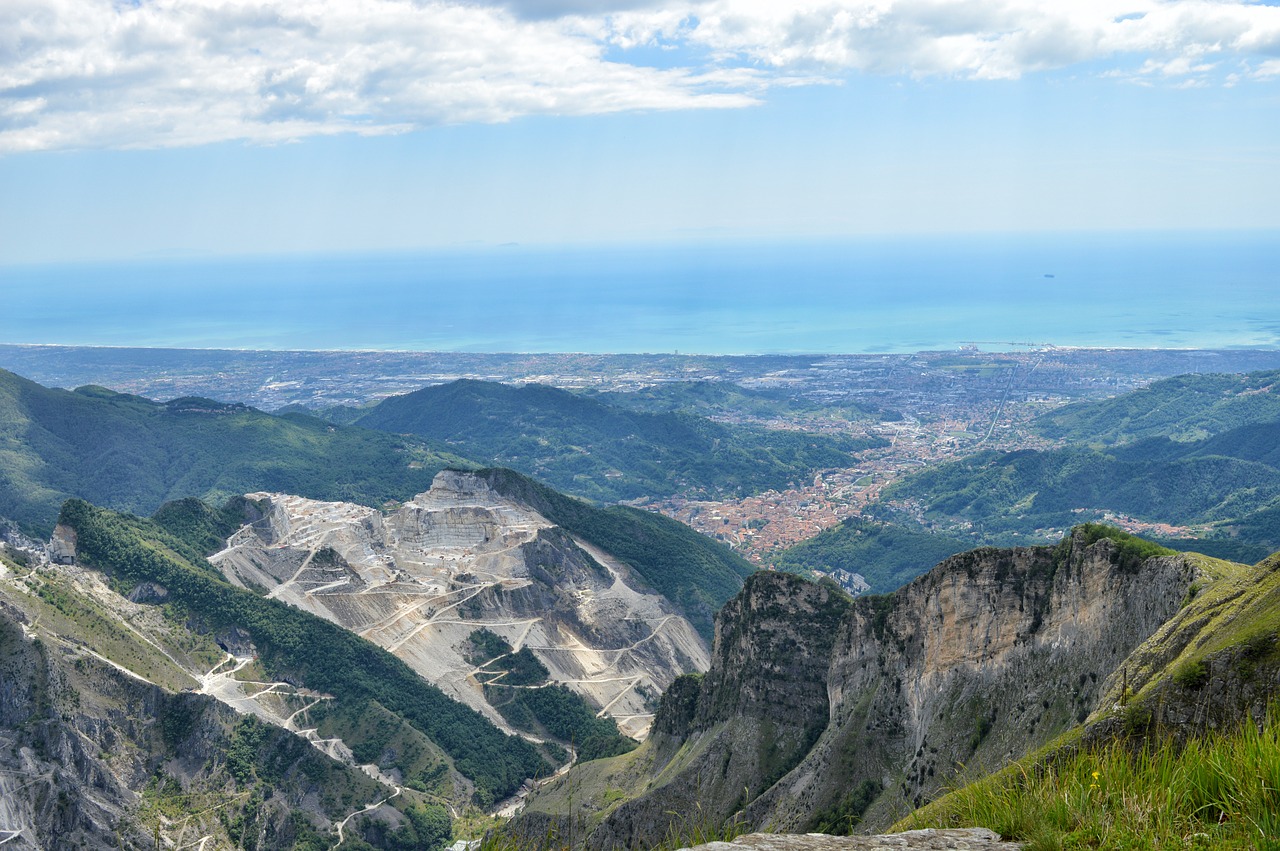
(693, 571)
(133, 454)
(1037, 634)
(118, 730)
(1183, 407)
(589, 447)
(133, 551)
(1015, 494)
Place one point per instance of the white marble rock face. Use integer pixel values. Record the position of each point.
(418, 581)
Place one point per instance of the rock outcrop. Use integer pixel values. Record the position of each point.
(823, 712)
(62, 545)
(421, 580)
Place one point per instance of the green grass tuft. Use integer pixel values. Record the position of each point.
(1218, 791)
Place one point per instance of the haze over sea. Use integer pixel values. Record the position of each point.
(1132, 290)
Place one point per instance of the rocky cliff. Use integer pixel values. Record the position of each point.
(460, 558)
(824, 712)
(105, 741)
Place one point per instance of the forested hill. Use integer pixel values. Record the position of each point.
(1258, 442)
(885, 555)
(721, 398)
(1230, 481)
(133, 454)
(1186, 407)
(695, 572)
(601, 451)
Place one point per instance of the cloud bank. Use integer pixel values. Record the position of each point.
(165, 73)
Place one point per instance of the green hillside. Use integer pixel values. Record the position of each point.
(724, 398)
(298, 647)
(1220, 789)
(133, 454)
(693, 571)
(1229, 481)
(887, 556)
(1186, 407)
(605, 452)
(1250, 442)
(176, 764)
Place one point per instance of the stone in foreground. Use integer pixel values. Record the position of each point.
(965, 839)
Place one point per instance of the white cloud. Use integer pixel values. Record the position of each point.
(1179, 66)
(183, 72)
(98, 73)
(1268, 70)
(978, 38)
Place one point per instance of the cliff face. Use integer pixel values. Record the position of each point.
(1213, 665)
(989, 656)
(461, 557)
(825, 712)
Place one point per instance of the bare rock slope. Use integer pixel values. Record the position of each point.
(462, 557)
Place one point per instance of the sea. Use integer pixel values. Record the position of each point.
(1210, 290)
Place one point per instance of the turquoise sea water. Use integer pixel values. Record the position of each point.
(1186, 290)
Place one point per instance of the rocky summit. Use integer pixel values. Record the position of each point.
(830, 713)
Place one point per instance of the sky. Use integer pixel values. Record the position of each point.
(163, 128)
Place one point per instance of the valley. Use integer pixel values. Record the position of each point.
(452, 638)
(761, 525)
(902, 412)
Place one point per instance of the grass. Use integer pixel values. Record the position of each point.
(1236, 607)
(61, 609)
(1218, 791)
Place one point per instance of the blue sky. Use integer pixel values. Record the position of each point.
(264, 126)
